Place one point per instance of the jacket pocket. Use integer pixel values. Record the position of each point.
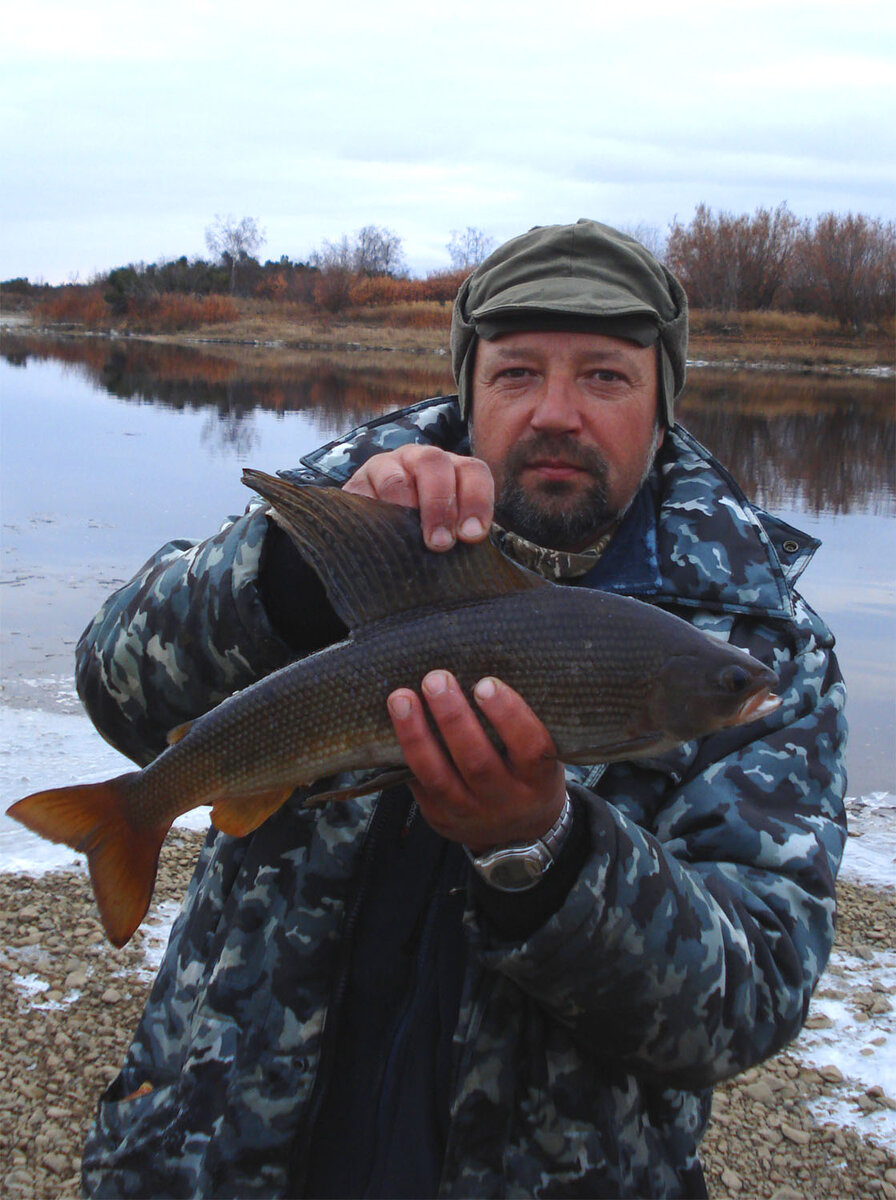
(126, 1152)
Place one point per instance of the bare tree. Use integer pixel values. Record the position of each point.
(377, 251)
(650, 236)
(373, 251)
(335, 263)
(468, 248)
(232, 241)
(845, 267)
(733, 262)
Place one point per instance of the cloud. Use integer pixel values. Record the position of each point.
(126, 121)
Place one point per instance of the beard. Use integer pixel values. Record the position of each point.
(557, 513)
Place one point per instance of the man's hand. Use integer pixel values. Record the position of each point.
(474, 794)
(454, 495)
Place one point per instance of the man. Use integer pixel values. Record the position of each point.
(520, 979)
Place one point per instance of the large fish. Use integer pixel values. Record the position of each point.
(612, 678)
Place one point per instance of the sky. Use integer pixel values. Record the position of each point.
(125, 129)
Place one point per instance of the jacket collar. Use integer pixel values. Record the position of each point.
(692, 538)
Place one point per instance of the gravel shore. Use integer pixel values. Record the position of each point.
(69, 1004)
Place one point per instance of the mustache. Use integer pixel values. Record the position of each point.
(560, 446)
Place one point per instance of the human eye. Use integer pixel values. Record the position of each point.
(512, 375)
(602, 376)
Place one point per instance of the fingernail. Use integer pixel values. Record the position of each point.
(399, 707)
(441, 538)
(485, 688)
(472, 528)
(435, 683)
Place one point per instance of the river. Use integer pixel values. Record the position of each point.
(108, 449)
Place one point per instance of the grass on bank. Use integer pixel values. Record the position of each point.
(422, 325)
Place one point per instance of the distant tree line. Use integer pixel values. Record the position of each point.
(837, 265)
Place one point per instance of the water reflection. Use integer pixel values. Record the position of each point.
(818, 445)
(807, 443)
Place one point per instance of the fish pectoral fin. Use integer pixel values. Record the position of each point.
(238, 816)
(376, 783)
(179, 731)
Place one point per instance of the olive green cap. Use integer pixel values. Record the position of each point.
(585, 278)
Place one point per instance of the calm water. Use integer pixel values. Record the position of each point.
(108, 450)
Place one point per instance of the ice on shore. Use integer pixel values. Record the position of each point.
(40, 749)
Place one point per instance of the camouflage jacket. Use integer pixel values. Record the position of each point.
(685, 951)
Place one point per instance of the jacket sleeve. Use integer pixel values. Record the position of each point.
(188, 630)
(692, 939)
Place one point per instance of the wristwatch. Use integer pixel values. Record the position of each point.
(521, 865)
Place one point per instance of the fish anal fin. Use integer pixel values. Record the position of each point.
(375, 783)
(122, 857)
(239, 816)
(371, 557)
(178, 732)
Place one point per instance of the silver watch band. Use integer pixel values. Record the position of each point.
(521, 865)
(559, 831)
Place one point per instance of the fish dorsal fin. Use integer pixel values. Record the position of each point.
(371, 557)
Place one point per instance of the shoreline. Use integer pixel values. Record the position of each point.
(70, 1004)
(726, 348)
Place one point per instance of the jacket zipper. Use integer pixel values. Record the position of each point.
(298, 1171)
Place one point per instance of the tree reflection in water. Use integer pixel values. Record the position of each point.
(821, 444)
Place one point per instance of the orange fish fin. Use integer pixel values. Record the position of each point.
(240, 815)
(123, 859)
(178, 732)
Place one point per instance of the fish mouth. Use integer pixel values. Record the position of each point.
(760, 704)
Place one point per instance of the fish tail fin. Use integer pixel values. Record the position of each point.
(122, 857)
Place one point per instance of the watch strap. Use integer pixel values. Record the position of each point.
(533, 858)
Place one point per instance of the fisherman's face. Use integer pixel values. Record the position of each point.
(567, 423)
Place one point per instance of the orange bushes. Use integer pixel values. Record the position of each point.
(421, 314)
(75, 303)
(384, 289)
(164, 313)
(171, 312)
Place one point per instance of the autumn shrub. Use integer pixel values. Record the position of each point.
(272, 287)
(421, 314)
(171, 312)
(442, 285)
(382, 289)
(77, 303)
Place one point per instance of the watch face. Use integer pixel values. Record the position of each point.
(515, 870)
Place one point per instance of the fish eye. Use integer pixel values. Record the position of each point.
(735, 679)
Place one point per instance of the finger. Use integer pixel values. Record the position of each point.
(422, 751)
(435, 477)
(477, 761)
(384, 477)
(527, 741)
(475, 488)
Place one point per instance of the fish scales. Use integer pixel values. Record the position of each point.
(610, 677)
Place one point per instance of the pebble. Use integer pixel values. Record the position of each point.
(762, 1141)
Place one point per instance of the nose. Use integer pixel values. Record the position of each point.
(556, 408)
